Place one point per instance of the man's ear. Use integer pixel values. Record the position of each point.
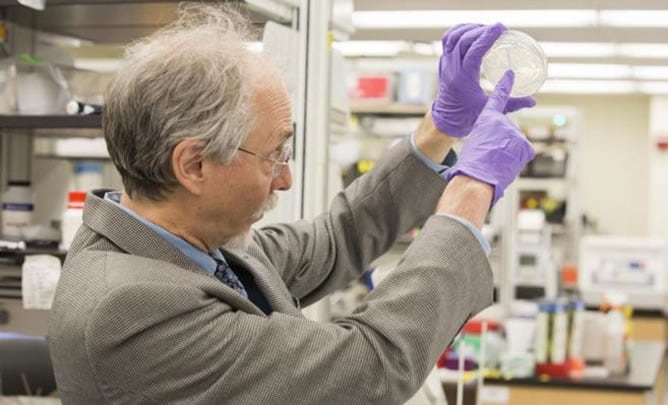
(187, 165)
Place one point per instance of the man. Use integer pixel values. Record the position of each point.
(150, 309)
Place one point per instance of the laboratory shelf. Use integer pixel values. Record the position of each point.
(121, 22)
(12, 257)
(50, 121)
(11, 3)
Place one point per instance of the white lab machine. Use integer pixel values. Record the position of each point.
(635, 267)
(535, 266)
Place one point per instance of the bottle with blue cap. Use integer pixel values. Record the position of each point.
(541, 347)
(559, 339)
(576, 341)
(87, 175)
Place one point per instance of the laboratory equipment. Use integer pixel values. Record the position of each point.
(17, 209)
(633, 266)
(535, 266)
(519, 52)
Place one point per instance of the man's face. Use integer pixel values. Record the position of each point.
(241, 192)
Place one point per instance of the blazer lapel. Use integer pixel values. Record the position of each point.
(131, 236)
(267, 281)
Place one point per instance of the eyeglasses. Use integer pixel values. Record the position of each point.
(279, 157)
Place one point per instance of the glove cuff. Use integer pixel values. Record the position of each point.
(480, 176)
(444, 126)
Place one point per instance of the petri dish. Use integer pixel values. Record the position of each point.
(517, 51)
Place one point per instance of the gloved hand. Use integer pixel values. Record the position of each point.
(497, 151)
(460, 97)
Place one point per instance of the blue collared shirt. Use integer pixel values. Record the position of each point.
(442, 170)
(202, 259)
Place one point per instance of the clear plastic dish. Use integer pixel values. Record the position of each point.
(517, 51)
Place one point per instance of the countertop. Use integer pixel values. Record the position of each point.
(646, 358)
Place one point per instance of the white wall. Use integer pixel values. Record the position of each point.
(658, 198)
(613, 160)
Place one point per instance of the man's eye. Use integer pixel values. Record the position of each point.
(276, 153)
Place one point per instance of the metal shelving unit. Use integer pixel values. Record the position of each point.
(118, 22)
(50, 121)
(107, 22)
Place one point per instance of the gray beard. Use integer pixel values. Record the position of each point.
(243, 240)
(239, 242)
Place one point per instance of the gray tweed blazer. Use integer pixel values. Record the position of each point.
(135, 321)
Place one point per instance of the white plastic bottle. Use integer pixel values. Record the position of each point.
(615, 353)
(17, 209)
(87, 175)
(577, 330)
(559, 333)
(542, 335)
(72, 217)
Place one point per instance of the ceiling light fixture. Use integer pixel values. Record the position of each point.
(643, 50)
(578, 49)
(653, 87)
(588, 70)
(370, 48)
(634, 18)
(650, 72)
(589, 87)
(447, 18)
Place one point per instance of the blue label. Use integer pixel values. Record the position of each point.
(17, 206)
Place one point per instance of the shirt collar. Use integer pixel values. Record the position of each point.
(202, 259)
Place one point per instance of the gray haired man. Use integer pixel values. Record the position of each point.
(169, 296)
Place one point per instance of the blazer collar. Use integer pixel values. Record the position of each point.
(280, 299)
(131, 236)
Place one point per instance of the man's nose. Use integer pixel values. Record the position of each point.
(284, 180)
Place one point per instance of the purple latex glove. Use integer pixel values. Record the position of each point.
(460, 97)
(497, 151)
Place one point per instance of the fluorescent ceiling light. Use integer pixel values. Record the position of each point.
(589, 86)
(103, 65)
(371, 48)
(578, 49)
(47, 38)
(643, 50)
(392, 65)
(583, 70)
(432, 49)
(634, 18)
(650, 72)
(445, 18)
(653, 87)
(606, 71)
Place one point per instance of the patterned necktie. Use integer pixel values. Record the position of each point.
(225, 274)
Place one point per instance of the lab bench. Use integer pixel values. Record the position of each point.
(644, 385)
(650, 325)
